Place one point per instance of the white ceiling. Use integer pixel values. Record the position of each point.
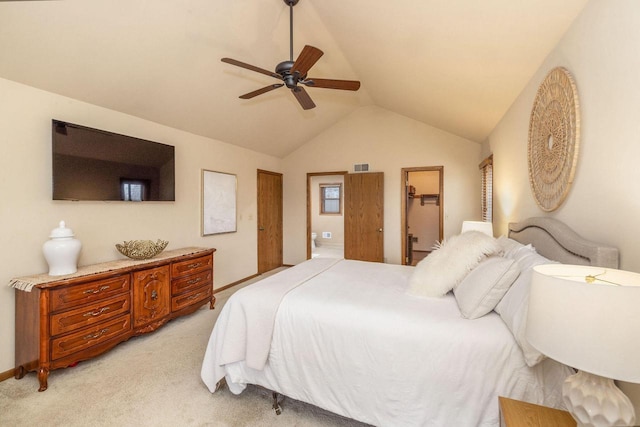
(453, 64)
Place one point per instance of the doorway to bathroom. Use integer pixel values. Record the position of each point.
(422, 211)
(325, 214)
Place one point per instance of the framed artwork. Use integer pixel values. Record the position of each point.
(218, 202)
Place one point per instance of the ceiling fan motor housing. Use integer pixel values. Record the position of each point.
(290, 79)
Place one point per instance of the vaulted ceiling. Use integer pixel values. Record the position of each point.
(453, 64)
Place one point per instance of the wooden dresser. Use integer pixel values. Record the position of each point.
(65, 319)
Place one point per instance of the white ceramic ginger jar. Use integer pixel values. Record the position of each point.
(61, 251)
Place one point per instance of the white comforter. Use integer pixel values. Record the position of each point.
(351, 341)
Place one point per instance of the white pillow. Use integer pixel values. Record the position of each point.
(447, 265)
(483, 288)
(509, 246)
(514, 306)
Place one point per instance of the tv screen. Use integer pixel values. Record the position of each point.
(92, 164)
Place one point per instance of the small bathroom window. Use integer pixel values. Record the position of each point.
(331, 199)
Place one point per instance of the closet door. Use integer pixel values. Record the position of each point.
(269, 221)
(364, 216)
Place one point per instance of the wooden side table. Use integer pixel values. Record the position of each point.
(514, 413)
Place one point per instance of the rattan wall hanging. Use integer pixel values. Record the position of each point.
(554, 139)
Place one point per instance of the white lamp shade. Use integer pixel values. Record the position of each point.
(484, 227)
(593, 327)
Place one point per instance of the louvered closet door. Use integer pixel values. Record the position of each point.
(364, 216)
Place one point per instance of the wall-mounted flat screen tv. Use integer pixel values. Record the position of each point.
(93, 164)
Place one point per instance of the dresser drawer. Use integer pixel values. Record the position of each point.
(74, 296)
(88, 337)
(191, 266)
(188, 283)
(71, 320)
(196, 296)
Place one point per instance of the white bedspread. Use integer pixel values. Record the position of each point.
(244, 328)
(352, 342)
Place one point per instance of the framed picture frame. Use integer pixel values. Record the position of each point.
(218, 202)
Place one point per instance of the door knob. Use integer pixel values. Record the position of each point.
(380, 230)
(261, 228)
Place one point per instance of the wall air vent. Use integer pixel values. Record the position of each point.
(361, 167)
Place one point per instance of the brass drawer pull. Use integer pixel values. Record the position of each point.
(96, 313)
(96, 335)
(192, 297)
(96, 291)
(192, 281)
(194, 265)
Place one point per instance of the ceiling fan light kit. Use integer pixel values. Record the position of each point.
(294, 73)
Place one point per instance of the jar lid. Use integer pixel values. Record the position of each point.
(61, 231)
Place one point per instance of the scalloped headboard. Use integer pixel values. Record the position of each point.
(555, 240)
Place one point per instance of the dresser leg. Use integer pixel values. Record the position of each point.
(43, 374)
(212, 303)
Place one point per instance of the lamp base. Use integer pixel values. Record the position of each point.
(596, 401)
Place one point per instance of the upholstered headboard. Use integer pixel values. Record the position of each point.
(555, 240)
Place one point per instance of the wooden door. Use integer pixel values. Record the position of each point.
(363, 218)
(269, 221)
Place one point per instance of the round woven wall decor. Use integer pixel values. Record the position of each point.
(554, 139)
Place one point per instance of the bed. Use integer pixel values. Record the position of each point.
(347, 336)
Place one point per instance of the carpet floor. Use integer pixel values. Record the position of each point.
(151, 380)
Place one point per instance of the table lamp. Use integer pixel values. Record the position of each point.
(484, 227)
(589, 319)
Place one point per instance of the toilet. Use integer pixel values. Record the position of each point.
(314, 236)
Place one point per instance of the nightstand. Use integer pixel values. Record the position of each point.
(514, 413)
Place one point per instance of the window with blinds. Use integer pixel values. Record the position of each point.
(330, 199)
(486, 171)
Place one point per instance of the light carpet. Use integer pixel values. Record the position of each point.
(151, 380)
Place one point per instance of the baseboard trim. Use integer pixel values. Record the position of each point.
(237, 282)
(7, 374)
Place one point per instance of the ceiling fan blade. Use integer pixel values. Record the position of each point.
(251, 67)
(261, 91)
(334, 84)
(303, 98)
(307, 58)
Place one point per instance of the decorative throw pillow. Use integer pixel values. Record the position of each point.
(514, 306)
(483, 288)
(447, 265)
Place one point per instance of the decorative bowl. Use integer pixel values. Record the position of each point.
(141, 249)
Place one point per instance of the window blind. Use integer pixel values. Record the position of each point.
(486, 171)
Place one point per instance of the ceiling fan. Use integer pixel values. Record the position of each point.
(294, 74)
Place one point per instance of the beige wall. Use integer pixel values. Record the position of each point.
(388, 142)
(601, 51)
(28, 214)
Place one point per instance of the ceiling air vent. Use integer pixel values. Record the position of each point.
(361, 167)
